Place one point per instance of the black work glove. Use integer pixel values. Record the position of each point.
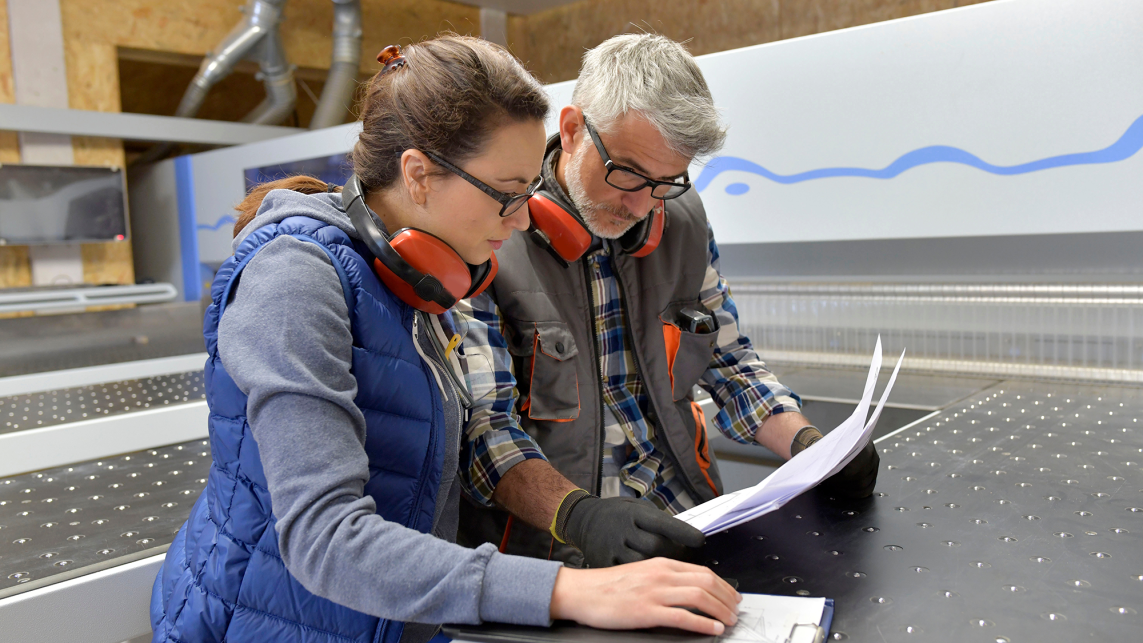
(858, 477)
(613, 531)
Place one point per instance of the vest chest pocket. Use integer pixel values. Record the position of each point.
(688, 353)
(546, 350)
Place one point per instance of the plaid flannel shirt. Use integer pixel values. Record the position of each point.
(745, 391)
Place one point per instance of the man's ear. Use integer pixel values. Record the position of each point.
(571, 128)
(417, 175)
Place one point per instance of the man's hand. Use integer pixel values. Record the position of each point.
(858, 477)
(613, 531)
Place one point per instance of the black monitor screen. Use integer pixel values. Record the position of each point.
(48, 204)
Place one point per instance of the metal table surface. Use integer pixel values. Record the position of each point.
(66, 522)
(1016, 515)
(61, 406)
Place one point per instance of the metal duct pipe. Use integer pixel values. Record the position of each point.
(255, 37)
(277, 76)
(337, 95)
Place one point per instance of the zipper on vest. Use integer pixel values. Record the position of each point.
(630, 337)
(459, 386)
(461, 393)
(598, 464)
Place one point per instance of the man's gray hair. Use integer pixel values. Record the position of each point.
(658, 78)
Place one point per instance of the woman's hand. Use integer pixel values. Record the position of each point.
(649, 593)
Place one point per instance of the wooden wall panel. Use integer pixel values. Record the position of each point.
(7, 90)
(805, 17)
(107, 263)
(9, 145)
(163, 25)
(196, 27)
(15, 269)
(552, 42)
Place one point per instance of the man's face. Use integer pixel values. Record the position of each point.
(633, 142)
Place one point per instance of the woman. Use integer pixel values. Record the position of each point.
(335, 406)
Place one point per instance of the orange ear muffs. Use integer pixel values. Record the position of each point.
(565, 235)
(426, 254)
(417, 266)
(560, 231)
(642, 239)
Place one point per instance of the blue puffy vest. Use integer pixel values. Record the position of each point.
(223, 578)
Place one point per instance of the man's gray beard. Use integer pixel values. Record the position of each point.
(588, 209)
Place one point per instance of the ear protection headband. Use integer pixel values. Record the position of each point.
(557, 227)
(419, 267)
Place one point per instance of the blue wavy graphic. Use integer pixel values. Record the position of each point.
(225, 220)
(1124, 148)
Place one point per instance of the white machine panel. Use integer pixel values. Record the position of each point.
(1007, 118)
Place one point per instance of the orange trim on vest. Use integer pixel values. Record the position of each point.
(672, 336)
(702, 448)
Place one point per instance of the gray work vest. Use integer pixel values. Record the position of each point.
(549, 325)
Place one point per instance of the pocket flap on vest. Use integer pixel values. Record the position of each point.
(556, 340)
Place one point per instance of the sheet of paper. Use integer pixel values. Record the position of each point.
(763, 618)
(804, 471)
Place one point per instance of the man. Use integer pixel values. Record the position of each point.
(583, 354)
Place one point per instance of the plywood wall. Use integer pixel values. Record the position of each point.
(196, 27)
(552, 42)
(9, 147)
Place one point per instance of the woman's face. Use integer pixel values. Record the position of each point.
(468, 219)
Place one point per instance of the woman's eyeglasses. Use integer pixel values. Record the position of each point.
(509, 203)
(628, 180)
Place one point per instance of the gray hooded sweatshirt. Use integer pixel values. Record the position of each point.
(285, 339)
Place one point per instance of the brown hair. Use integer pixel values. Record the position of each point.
(453, 92)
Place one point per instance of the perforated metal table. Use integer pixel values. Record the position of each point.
(1015, 515)
(70, 521)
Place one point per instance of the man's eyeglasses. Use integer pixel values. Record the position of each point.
(628, 180)
(509, 203)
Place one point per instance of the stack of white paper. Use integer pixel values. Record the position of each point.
(803, 471)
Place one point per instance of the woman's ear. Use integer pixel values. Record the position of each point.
(416, 172)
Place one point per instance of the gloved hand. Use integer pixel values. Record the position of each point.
(613, 531)
(858, 477)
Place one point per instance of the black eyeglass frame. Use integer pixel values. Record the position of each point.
(612, 167)
(505, 200)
